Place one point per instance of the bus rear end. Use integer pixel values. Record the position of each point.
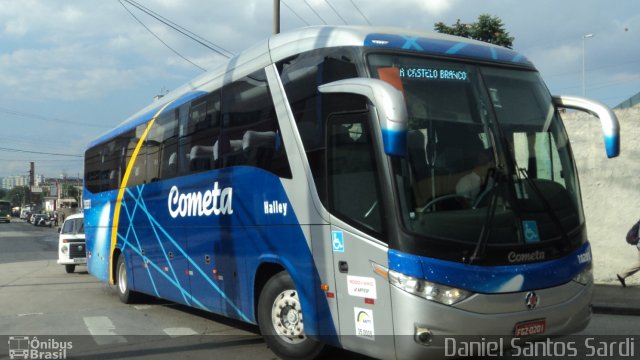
(5, 211)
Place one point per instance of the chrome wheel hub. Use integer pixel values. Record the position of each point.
(286, 315)
(122, 278)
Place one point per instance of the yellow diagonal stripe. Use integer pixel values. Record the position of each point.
(123, 185)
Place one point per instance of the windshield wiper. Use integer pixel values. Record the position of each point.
(488, 220)
(545, 203)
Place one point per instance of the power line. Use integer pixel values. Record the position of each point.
(334, 10)
(45, 118)
(38, 152)
(294, 13)
(46, 160)
(190, 34)
(315, 12)
(361, 14)
(159, 39)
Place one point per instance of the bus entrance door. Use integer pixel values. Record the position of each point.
(364, 305)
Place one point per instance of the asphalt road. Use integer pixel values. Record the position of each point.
(41, 302)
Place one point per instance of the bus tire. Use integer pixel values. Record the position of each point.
(281, 323)
(126, 295)
(69, 268)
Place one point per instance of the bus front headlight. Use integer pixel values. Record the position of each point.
(429, 290)
(585, 276)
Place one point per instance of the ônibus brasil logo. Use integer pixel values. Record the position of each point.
(25, 347)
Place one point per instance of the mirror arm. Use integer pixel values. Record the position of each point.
(388, 101)
(609, 120)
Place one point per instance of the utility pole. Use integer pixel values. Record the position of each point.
(584, 38)
(276, 17)
(32, 174)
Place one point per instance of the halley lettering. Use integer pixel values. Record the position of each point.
(275, 207)
(214, 201)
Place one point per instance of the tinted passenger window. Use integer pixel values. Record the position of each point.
(201, 134)
(250, 132)
(102, 167)
(189, 140)
(162, 146)
(129, 141)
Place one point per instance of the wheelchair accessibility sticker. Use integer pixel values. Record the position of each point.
(337, 239)
(530, 231)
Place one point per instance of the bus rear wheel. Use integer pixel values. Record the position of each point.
(281, 322)
(126, 295)
(69, 268)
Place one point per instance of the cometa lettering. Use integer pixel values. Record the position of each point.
(515, 257)
(212, 202)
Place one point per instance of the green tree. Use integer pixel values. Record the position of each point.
(488, 29)
(73, 192)
(19, 195)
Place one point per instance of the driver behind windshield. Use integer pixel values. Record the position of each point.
(471, 184)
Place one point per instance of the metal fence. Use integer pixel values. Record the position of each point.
(630, 102)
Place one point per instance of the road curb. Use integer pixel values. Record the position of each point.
(613, 310)
(612, 299)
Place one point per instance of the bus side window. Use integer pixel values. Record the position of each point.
(202, 133)
(129, 141)
(161, 144)
(301, 75)
(250, 132)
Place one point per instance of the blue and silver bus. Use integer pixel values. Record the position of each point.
(367, 188)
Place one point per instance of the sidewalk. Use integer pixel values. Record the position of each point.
(616, 300)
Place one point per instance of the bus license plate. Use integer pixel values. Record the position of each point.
(80, 260)
(533, 327)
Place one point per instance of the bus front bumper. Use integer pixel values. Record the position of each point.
(425, 328)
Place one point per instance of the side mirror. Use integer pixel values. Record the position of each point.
(389, 103)
(609, 120)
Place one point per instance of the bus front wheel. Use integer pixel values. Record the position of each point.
(281, 322)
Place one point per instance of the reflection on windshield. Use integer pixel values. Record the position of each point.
(468, 127)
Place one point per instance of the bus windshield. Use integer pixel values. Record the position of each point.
(488, 162)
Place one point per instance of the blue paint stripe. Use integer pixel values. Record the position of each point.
(153, 221)
(493, 279)
(161, 272)
(455, 49)
(144, 258)
(452, 47)
(140, 202)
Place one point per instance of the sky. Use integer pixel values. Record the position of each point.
(70, 70)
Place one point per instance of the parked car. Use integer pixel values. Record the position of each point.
(41, 220)
(71, 243)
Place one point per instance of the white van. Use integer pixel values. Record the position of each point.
(71, 243)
